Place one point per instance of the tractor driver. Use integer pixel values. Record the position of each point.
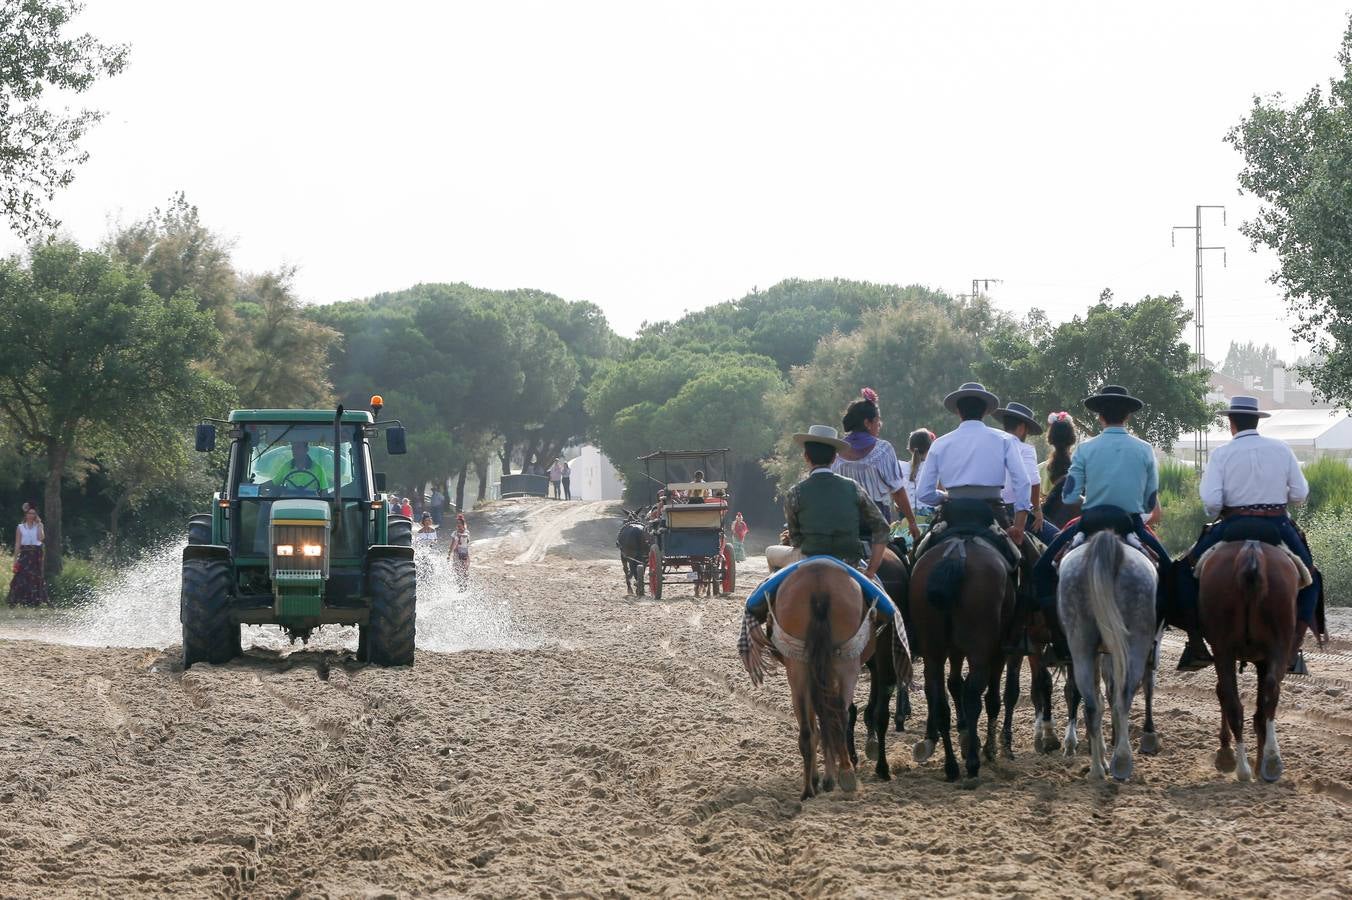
(302, 471)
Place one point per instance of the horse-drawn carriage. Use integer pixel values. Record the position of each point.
(688, 543)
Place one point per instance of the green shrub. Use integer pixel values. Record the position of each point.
(1177, 480)
(78, 581)
(1330, 488)
(1182, 520)
(1330, 537)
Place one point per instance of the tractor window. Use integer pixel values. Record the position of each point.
(295, 460)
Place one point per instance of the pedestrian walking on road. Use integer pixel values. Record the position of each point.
(739, 532)
(459, 552)
(438, 506)
(28, 587)
(566, 476)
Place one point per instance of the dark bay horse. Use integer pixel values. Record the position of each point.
(821, 631)
(889, 668)
(634, 541)
(1247, 607)
(961, 598)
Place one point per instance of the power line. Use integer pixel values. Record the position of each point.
(1199, 319)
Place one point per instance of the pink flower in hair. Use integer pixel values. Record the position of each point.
(1058, 417)
(869, 394)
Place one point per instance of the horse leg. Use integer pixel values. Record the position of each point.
(884, 683)
(1013, 671)
(955, 693)
(849, 734)
(1270, 674)
(1073, 698)
(943, 718)
(1087, 680)
(972, 689)
(1150, 741)
(847, 676)
(806, 739)
(871, 711)
(1123, 695)
(992, 689)
(1040, 687)
(1232, 709)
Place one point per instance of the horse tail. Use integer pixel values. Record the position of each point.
(945, 581)
(1252, 571)
(1103, 560)
(820, 649)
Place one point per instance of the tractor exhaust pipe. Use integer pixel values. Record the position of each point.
(337, 471)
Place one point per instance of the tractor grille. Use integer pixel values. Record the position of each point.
(297, 536)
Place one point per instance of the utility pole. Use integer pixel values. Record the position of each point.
(1199, 445)
(985, 284)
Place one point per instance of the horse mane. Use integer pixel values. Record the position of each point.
(820, 648)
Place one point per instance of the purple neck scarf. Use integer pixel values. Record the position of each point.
(860, 442)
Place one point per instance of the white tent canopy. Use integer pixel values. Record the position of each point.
(1307, 431)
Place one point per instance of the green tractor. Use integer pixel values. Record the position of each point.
(300, 536)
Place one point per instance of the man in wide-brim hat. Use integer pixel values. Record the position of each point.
(1020, 423)
(975, 461)
(826, 514)
(1252, 480)
(1117, 476)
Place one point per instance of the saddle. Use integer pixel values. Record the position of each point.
(969, 518)
(1306, 579)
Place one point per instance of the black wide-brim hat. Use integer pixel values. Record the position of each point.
(971, 389)
(1114, 395)
(1019, 411)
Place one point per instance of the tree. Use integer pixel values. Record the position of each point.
(1250, 358)
(1138, 345)
(1298, 162)
(96, 353)
(40, 145)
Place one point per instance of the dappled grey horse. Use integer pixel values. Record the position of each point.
(1106, 599)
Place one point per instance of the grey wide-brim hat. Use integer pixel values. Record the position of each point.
(1245, 406)
(1019, 411)
(1112, 393)
(971, 389)
(820, 434)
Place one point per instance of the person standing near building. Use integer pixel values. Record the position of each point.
(556, 480)
(28, 587)
(566, 476)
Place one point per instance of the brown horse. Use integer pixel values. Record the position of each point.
(961, 599)
(822, 630)
(1247, 607)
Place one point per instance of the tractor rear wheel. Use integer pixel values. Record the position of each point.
(394, 612)
(209, 634)
(400, 531)
(199, 529)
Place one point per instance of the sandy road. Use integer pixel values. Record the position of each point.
(612, 748)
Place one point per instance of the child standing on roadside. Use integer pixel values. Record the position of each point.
(459, 551)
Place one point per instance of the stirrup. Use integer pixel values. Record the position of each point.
(1188, 661)
(1298, 666)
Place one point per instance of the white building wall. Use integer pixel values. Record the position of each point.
(593, 476)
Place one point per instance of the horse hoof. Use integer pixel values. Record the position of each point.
(1070, 748)
(848, 783)
(1039, 745)
(1150, 743)
(989, 752)
(828, 785)
(807, 795)
(923, 751)
(871, 747)
(1007, 752)
(1121, 770)
(900, 724)
(1225, 759)
(1271, 769)
(951, 771)
(883, 772)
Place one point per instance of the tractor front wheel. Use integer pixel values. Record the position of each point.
(209, 634)
(390, 634)
(400, 531)
(199, 529)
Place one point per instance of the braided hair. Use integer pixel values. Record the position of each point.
(1061, 437)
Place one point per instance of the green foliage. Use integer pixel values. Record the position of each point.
(1138, 345)
(1182, 514)
(1250, 358)
(1329, 533)
(76, 583)
(40, 140)
(1330, 483)
(1298, 163)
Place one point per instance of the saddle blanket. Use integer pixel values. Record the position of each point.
(873, 590)
(1131, 541)
(1306, 579)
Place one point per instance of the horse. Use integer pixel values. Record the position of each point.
(1107, 597)
(634, 542)
(1247, 608)
(961, 599)
(888, 667)
(821, 630)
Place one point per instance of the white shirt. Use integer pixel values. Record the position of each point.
(1252, 470)
(1029, 457)
(974, 454)
(28, 535)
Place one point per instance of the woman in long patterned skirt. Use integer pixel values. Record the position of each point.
(28, 587)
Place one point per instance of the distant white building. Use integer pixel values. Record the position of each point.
(593, 476)
(1311, 433)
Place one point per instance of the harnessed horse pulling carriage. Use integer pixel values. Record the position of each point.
(689, 543)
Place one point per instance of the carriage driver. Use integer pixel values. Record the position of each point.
(1249, 482)
(1117, 475)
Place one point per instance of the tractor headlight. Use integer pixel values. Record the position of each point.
(312, 549)
(286, 550)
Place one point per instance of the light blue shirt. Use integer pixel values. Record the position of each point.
(975, 455)
(1114, 469)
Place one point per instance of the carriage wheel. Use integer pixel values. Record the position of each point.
(729, 570)
(655, 573)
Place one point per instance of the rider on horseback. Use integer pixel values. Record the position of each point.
(979, 467)
(1117, 475)
(1248, 483)
(826, 513)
